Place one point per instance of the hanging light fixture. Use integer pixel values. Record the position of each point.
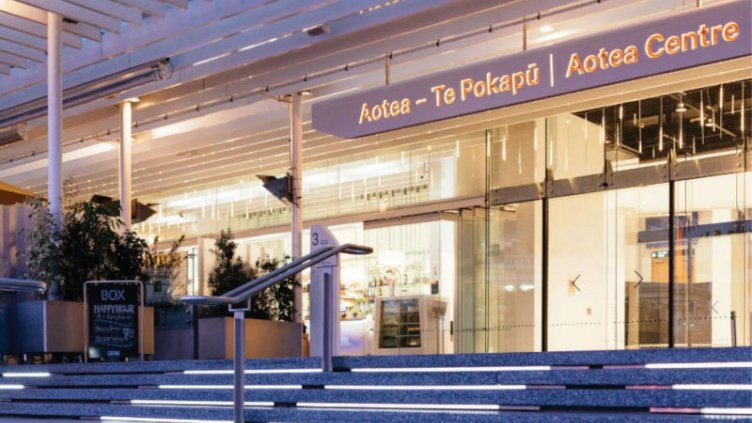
(639, 126)
(660, 125)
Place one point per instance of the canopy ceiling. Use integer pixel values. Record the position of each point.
(216, 114)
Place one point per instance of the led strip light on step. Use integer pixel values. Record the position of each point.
(197, 403)
(449, 369)
(27, 374)
(217, 387)
(157, 420)
(251, 371)
(427, 387)
(709, 365)
(10, 387)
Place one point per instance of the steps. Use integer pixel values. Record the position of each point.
(652, 385)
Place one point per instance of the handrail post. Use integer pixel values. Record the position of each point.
(238, 363)
(326, 358)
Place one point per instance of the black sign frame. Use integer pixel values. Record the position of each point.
(113, 320)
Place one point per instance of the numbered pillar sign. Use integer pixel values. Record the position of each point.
(321, 237)
(114, 319)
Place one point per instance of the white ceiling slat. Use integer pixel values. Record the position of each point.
(22, 51)
(77, 13)
(178, 25)
(34, 28)
(149, 7)
(13, 60)
(112, 9)
(23, 38)
(295, 23)
(247, 20)
(39, 16)
(183, 4)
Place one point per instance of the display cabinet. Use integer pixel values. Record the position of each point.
(408, 325)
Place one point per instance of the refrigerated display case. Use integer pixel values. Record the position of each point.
(408, 325)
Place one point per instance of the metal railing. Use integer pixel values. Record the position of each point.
(22, 285)
(238, 301)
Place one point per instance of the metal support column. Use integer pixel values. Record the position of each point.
(671, 260)
(126, 122)
(238, 358)
(326, 357)
(55, 115)
(296, 169)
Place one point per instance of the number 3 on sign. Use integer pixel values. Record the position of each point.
(315, 239)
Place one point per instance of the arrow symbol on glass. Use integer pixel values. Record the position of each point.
(639, 276)
(573, 283)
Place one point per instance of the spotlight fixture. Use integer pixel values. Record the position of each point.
(281, 188)
(317, 30)
(681, 107)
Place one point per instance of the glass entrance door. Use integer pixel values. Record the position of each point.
(499, 296)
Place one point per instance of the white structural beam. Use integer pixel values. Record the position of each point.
(34, 28)
(55, 115)
(77, 13)
(39, 16)
(183, 4)
(112, 9)
(296, 173)
(22, 51)
(22, 38)
(126, 125)
(4, 69)
(12, 60)
(149, 7)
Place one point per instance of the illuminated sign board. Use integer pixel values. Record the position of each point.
(113, 319)
(698, 37)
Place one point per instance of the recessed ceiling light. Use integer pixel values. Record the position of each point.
(546, 29)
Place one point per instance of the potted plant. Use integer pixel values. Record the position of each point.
(87, 246)
(269, 318)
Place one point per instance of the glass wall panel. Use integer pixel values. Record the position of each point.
(710, 260)
(518, 154)
(639, 257)
(578, 288)
(574, 146)
(514, 277)
(472, 316)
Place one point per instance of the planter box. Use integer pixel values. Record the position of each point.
(41, 327)
(263, 338)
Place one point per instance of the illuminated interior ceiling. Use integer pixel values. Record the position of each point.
(217, 117)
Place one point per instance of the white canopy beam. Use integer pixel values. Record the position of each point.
(38, 15)
(112, 9)
(183, 4)
(78, 13)
(23, 39)
(149, 7)
(22, 51)
(12, 60)
(35, 28)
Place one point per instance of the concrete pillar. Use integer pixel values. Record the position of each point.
(55, 115)
(296, 175)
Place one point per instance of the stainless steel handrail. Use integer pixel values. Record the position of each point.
(244, 292)
(22, 285)
(235, 298)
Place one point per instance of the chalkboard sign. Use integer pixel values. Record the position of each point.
(113, 320)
